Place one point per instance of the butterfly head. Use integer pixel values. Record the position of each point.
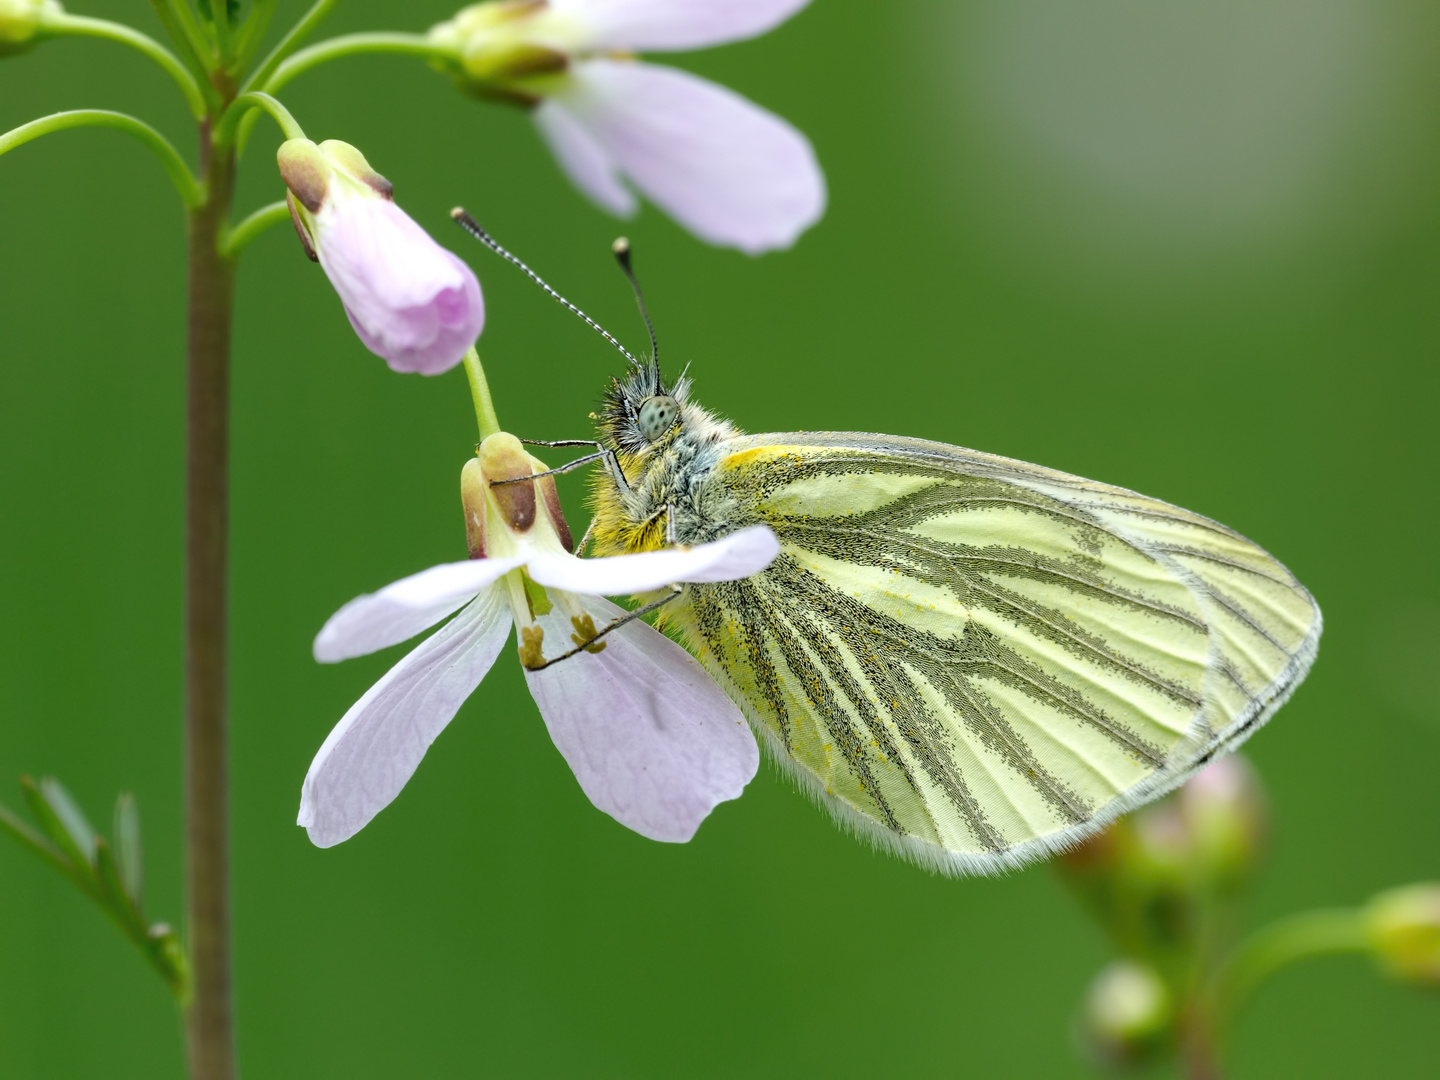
(641, 411)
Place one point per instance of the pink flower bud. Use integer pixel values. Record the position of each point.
(412, 302)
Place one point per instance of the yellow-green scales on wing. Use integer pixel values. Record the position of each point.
(971, 660)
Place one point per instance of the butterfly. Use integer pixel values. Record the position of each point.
(972, 661)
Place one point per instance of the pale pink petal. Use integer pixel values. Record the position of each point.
(378, 744)
(726, 169)
(584, 160)
(412, 302)
(404, 608)
(735, 556)
(669, 25)
(654, 742)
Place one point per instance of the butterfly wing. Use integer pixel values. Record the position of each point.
(977, 661)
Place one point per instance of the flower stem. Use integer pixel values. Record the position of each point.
(1299, 937)
(225, 130)
(82, 25)
(352, 45)
(238, 239)
(287, 44)
(480, 392)
(192, 191)
(209, 1019)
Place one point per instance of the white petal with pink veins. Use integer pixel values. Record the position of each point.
(726, 169)
(731, 557)
(668, 25)
(654, 742)
(403, 608)
(378, 744)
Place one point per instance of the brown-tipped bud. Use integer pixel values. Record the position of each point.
(502, 458)
(1403, 928)
(1127, 1017)
(472, 498)
(306, 172)
(352, 163)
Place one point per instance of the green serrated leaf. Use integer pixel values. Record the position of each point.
(37, 797)
(129, 853)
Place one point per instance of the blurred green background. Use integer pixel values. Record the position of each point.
(1188, 247)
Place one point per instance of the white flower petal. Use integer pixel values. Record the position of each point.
(735, 556)
(660, 25)
(378, 744)
(654, 742)
(726, 169)
(402, 609)
(584, 160)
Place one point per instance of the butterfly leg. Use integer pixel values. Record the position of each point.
(602, 453)
(615, 624)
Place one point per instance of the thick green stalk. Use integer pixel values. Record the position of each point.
(209, 1019)
(485, 417)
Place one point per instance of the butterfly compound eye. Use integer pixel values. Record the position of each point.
(656, 415)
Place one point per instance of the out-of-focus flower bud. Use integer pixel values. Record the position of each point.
(504, 40)
(412, 302)
(1223, 807)
(20, 22)
(1127, 1016)
(1403, 929)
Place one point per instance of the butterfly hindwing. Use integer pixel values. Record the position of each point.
(976, 661)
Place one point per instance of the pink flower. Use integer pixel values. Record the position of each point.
(731, 172)
(653, 741)
(412, 302)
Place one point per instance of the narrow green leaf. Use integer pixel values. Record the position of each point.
(71, 816)
(37, 798)
(129, 853)
(12, 824)
(112, 893)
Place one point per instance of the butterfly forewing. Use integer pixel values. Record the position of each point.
(976, 660)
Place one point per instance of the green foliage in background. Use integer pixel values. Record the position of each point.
(1194, 250)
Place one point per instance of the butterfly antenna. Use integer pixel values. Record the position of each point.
(621, 248)
(470, 225)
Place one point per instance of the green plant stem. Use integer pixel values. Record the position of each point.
(1325, 932)
(209, 1019)
(480, 394)
(225, 131)
(83, 26)
(179, 22)
(239, 238)
(352, 45)
(192, 191)
(288, 44)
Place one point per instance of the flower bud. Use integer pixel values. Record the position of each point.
(20, 20)
(498, 516)
(1127, 1013)
(1223, 807)
(412, 302)
(494, 43)
(1403, 929)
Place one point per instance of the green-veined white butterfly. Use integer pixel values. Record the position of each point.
(973, 661)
